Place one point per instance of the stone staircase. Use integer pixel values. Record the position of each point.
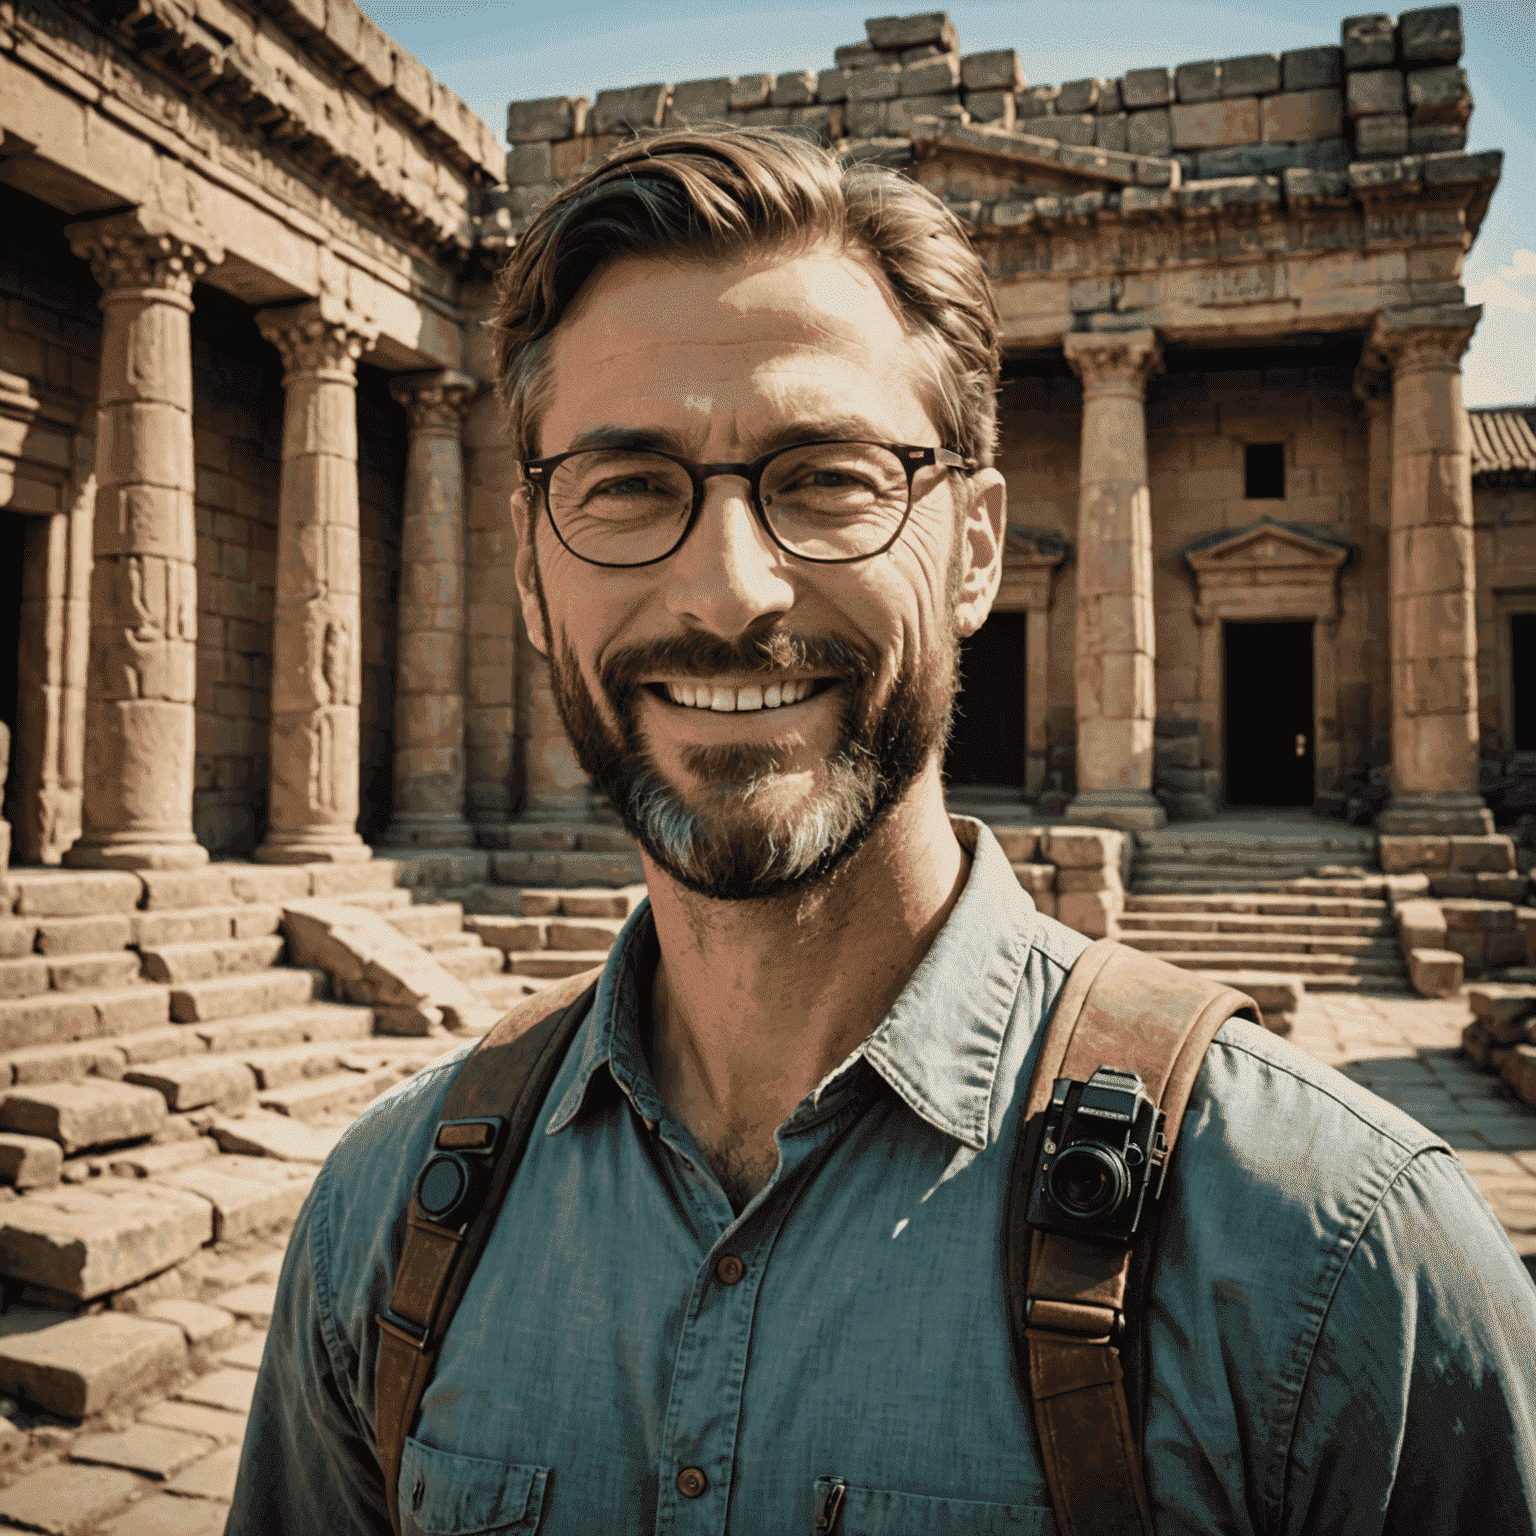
(1252, 851)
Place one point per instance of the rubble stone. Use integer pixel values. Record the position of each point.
(84, 1114)
(29, 1162)
(82, 1366)
(1435, 972)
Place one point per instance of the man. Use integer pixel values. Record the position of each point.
(753, 1245)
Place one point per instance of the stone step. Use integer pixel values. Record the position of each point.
(451, 941)
(206, 960)
(1304, 965)
(279, 1066)
(204, 925)
(25, 976)
(73, 893)
(82, 1015)
(502, 992)
(93, 972)
(1269, 904)
(248, 1194)
(583, 933)
(84, 935)
(552, 963)
(435, 921)
(316, 1096)
(84, 1365)
(91, 1113)
(228, 997)
(1237, 922)
(467, 964)
(1258, 939)
(390, 900)
(567, 869)
(290, 1026)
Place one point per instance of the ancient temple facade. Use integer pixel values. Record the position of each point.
(256, 589)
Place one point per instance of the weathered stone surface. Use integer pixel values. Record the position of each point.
(996, 69)
(1072, 882)
(63, 1063)
(1093, 913)
(149, 1162)
(261, 1134)
(1503, 1009)
(549, 118)
(153, 1452)
(23, 978)
(203, 961)
(1149, 133)
(29, 1162)
(635, 106)
(246, 1356)
(1146, 88)
(588, 933)
(1252, 74)
(1301, 117)
(227, 997)
(1368, 93)
(82, 1366)
(1494, 853)
(327, 1095)
(1479, 916)
(1208, 124)
(83, 935)
(1407, 853)
(1083, 847)
(189, 1082)
(1367, 40)
(377, 963)
(1198, 81)
(1431, 35)
(240, 1205)
(202, 1326)
(217, 1424)
(1019, 844)
(1420, 925)
(1435, 972)
(1037, 879)
(59, 1500)
(85, 1241)
(912, 31)
(74, 893)
(1306, 69)
(84, 1114)
(230, 1389)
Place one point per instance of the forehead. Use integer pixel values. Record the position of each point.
(762, 335)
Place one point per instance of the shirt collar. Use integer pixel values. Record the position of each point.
(937, 1047)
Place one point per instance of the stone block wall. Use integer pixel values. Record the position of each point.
(1504, 534)
(237, 415)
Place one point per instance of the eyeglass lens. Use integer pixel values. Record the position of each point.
(824, 501)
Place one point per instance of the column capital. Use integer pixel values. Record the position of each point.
(319, 337)
(436, 401)
(1119, 360)
(145, 249)
(1430, 337)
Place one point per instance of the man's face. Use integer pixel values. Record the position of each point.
(723, 364)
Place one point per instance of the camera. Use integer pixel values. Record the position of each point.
(1102, 1154)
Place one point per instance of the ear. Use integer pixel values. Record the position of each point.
(986, 528)
(524, 527)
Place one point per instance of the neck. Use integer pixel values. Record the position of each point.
(755, 1002)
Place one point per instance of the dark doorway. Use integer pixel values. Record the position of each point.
(14, 528)
(1269, 726)
(989, 740)
(1522, 678)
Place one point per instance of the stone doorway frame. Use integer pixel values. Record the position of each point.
(1269, 571)
(1031, 557)
(1507, 602)
(58, 493)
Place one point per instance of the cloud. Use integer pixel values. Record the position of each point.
(1496, 293)
(1523, 265)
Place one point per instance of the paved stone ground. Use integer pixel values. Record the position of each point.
(166, 1467)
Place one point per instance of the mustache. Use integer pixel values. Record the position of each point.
(776, 652)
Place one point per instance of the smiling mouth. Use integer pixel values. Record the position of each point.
(755, 696)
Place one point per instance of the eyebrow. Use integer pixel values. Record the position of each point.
(665, 440)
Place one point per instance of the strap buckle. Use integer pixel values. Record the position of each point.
(481, 1134)
(1074, 1319)
(403, 1329)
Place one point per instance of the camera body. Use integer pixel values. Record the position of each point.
(1102, 1156)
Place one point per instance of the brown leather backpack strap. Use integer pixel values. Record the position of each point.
(504, 1079)
(1067, 1298)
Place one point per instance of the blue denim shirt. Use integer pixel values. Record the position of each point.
(1341, 1338)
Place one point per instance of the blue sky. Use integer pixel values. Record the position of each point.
(495, 51)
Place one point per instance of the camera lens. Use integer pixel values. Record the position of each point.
(1089, 1182)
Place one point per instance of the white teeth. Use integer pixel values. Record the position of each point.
(730, 700)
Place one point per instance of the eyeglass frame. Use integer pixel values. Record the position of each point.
(912, 457)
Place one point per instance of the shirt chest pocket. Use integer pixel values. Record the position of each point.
(876, 1512)
(445, 1494)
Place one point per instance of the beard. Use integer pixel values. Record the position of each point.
(728, 839)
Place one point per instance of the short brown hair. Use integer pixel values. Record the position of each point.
(718, 192)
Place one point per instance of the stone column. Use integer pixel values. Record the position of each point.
(317, 665)
(142, 672)
(1116, 642)
(1432, 577)
(1375, 394)
(429, 667)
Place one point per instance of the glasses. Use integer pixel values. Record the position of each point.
(827, 502)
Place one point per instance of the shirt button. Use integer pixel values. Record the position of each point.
(730, 1269)
(691, 1482)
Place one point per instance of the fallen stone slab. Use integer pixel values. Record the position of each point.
(29, 1162)
(218, 1424)
(211, 1478)
(83, 1241)
(261, 1133)
(202, 1326)
(377, 964)
(146, 1449)
(60, 1500)
(239, 1205)
(189, 1082)
(84, 1365)
(231, 1389)
(84, 1114)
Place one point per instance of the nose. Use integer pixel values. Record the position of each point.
(729, 575)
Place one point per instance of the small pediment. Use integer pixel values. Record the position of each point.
(1267, 545)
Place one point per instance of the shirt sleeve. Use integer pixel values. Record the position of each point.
(309, 1462)
(1417, 1413)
